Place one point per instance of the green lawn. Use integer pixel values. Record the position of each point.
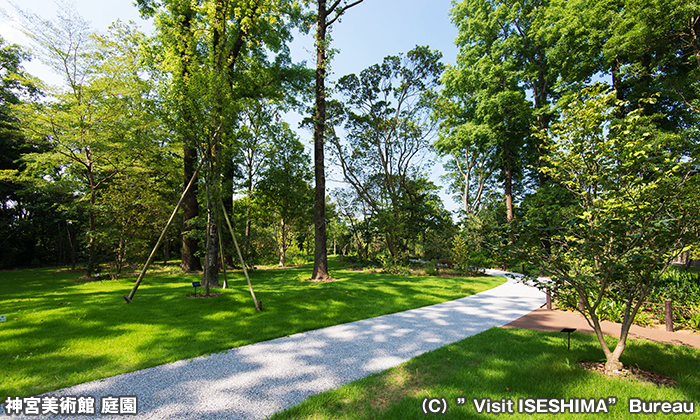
(60, 332)
(508, 364)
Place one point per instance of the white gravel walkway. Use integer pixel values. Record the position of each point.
(255, 381)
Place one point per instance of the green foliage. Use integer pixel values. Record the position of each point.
(683, 289)
(387, 120)
(97, 126)
(680, 287)
(471, 250)
(634, 187)
(486, 116)
(33, 228)
(284, 188)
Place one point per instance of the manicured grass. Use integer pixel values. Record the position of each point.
(511, 364)
(60, 332)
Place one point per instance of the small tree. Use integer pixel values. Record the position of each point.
(98, 124)
(636, 192)
(284, 187)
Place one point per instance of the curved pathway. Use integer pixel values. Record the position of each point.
(255, 381)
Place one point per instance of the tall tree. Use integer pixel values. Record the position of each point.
(499, 57)
(177, 29)
(97, 124)
(254, 138)
(389, 126)
(31, 224)
(239, 51)
(470, 147)
(325, 17)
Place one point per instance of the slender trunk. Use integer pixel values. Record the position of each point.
(191, 211)
(541, 101)
(166, 251)
(73, 250)
(92, 252)
(223, 258)
(508, 174)
(283, 243)
(228, 171)
(320, 270)
(390, 244)
(246, 239)
(213, 178)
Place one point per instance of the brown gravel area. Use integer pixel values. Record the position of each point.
(546, 320)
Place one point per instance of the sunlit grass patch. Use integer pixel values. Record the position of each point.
(61, 331)
(507, 364)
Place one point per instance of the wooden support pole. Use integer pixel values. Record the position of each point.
(162, 235)
(549, 299)
(668, 306)
(258, 305)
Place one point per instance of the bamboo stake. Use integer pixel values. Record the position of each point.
(235, 242)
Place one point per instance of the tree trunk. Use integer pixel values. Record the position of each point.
(320, 271)
(189, 261)
(166, 251)
(508, 174)
(73, 249)
(92, 252)
(191, 210)
(283, 243)
(211, 272)
(541, 97)
(213, 178)
(246, 238)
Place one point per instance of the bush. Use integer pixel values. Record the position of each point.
(470, 250)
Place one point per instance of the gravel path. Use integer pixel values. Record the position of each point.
(255, 381)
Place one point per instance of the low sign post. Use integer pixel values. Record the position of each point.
(196, 284)
(568, 331)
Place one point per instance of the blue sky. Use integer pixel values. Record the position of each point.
(365, 35)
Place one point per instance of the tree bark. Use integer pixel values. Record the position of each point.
(320, 271)
(73, 249)
(189, 261)
(508, 187)
(227, 196)
(92, 252)
(210, 276)
(283, 244)
(213, 178)
(191, 210)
